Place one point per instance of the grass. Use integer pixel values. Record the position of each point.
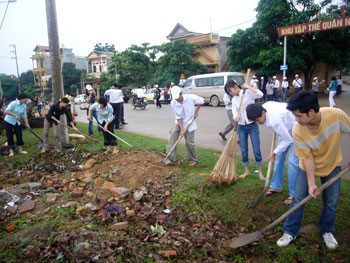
(194, 195)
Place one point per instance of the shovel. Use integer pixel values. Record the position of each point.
(255, 236)
(91, 138)
(166, 161)
(118, 138)
(268, 176)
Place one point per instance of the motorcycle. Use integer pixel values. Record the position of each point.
(138, 103)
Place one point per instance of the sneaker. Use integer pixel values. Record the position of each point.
(222, 136)
(192, 163)
(330, 241)
(23, 152)
(285, 240)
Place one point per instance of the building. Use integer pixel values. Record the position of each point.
(42, 66)
(98, 62)
(213, 48)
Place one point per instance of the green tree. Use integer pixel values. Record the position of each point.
(27, 84)
(177, 58)
(134, 65)
(27, 78)
(260, 48)
(106, 47)
(9, 85)
(71, 76)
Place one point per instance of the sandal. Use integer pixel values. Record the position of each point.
(288, 201)
(272, 191)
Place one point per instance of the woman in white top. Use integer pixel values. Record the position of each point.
(245, 126)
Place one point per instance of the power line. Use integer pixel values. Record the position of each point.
(2, 22)
(235, 25)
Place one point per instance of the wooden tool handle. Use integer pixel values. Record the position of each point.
(305, 200)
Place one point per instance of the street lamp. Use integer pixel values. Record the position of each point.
(15, 57)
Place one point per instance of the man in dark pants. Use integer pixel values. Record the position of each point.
(121, 117)
(115, 96)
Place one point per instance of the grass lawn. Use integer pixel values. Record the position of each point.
(221, 211)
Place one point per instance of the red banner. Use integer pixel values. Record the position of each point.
(316, 26)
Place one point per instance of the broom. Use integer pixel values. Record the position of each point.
(225, 168)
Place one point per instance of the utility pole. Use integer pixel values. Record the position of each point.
(14, 51)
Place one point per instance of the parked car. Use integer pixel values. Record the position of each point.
(80, 99)
(211, 86)
(149, 96)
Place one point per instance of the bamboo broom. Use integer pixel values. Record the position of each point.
(225, 168)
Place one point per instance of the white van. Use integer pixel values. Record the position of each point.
(211, 86)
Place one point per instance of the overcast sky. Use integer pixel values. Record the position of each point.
(84, 23)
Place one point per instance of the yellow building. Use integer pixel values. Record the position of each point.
(213, 48)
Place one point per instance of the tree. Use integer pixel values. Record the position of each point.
(71, 76)
(106, 47)
(134, 65)
(260, 48)
(178, 57)
(9, 85)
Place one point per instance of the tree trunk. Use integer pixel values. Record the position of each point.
(55, 59)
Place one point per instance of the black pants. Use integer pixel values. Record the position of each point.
(158, 103)
(109, 139)
(10, 131)
(116, 113)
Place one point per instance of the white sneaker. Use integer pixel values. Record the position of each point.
(285, 240)
(330, 241)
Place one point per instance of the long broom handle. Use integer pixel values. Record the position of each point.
(79, 132)
(305, 200)
(269, 165)
(261, 196)
(128, 144)
(178, 140)
(37, 136)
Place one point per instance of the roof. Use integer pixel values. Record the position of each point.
(179, 32)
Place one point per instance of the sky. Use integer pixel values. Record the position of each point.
(84, 23)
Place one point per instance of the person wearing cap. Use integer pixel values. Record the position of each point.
(285, 87)
(169, 92)
(262, 87)
(53, 118)
(297, 83)
(15, 115)
(316, 85)
(185, 108)
(276, 86)
(253, 81)
(246, 95)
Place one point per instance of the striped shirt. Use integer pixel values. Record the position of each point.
(322, 145)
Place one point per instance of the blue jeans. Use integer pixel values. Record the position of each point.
(90, 127)
(329, 208)
(278, 171)
(284, 94)
(243, 132)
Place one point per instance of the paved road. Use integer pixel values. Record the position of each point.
(158, 123)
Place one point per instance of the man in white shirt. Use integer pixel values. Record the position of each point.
(185, 108)
(276, 116)
(297, 83)
(115, 96)
(276, 86)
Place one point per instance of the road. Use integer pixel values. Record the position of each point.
(157, 123)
